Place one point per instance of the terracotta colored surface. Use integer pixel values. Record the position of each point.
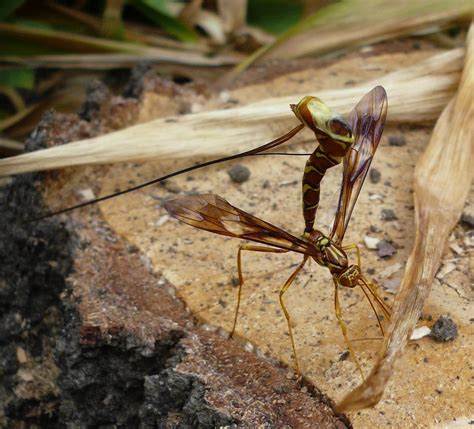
(119, 300)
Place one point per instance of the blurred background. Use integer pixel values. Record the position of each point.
(50, 50)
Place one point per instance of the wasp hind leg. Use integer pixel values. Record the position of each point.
(371, 290)
(337, 309)
(356, 247)
(250, 248)
(283, 290)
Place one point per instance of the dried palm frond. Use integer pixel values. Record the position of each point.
(443, 177)
(342, 25)
(417, 94)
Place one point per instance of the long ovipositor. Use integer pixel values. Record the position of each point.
(335, 138)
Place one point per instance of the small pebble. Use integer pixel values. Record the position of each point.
(398, 140)
(469, 239)
(374, 228)
(385, 249)
(131, 248)
(444, 329)
(375, 197)
(390, 270)
(371, 242)
(374, 175)
(392, 285)
(281, 389)
(249, 347)
(456, 249)
(445, 269)
(162, 220)
(467, 219)
(388, 215)
(88, 194)
(289, 183)
(238, 173)
(420, 332)
(343, 356)
(21, 355)
(173, 188)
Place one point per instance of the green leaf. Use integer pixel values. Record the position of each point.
(157, 12)
(31, 23)
(11, 46)
(18, 78)
(112, 25)
(7, 7)
(157, 5)
(274, 16)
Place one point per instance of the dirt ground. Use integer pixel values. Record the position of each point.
(430, 386)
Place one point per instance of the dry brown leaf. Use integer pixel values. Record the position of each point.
(189, 12)
(443, 177)
(233, 14)
(344, 25)
(360, 27)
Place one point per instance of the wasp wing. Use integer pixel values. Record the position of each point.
(367, 121)
(213, 213)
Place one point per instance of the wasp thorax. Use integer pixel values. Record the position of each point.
(332, 256)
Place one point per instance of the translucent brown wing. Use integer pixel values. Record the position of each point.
(213, 213)
(367, 121)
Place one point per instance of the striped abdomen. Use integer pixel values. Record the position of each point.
(335, 139)
(328, 154)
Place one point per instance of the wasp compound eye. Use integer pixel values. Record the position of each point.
(340, 127)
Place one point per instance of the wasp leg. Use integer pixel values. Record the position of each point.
(356, 247)
(362, 284)
(337, 308)
(371, 288)
(386, 310)
(251, 248)
(285, 287)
